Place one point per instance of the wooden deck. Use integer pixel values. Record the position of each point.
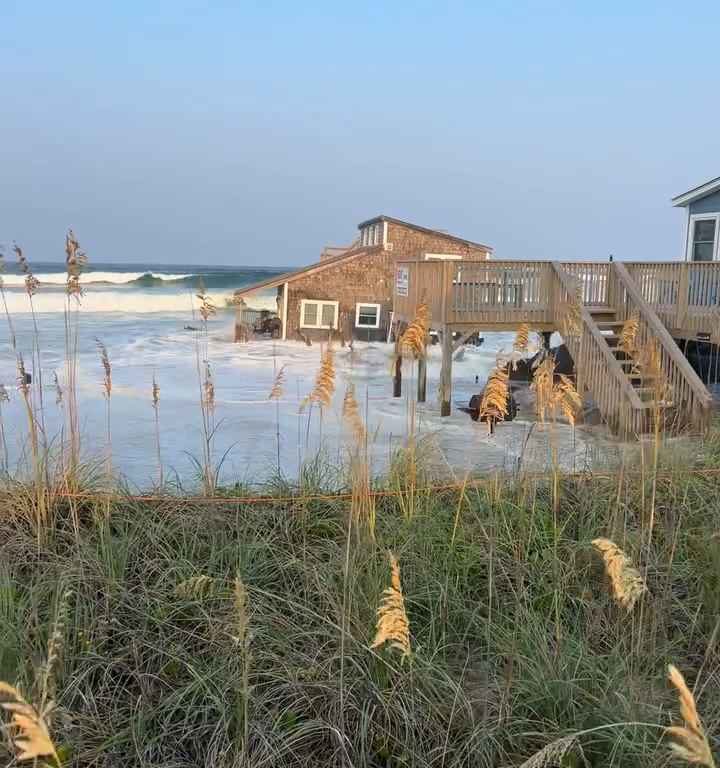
(672, 300)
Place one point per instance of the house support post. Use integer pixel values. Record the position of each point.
(397, 377)
(422, 377)
(446, 372)
(546, 336)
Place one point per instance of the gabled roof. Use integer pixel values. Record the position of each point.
(425, 230)
(698, 192)
(311, 269)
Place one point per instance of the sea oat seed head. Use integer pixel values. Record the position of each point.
(107, 368)
(393, 625)
(278, 387)
(28, 730)
(493, 406)
(324, 381)
(351, 414)
(627, 584)
(690, 743)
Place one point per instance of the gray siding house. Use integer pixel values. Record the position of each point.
(702, 238)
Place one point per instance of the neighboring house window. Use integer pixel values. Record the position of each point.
(443, 257)
(367, 315)
(703, 240)
(318, 314)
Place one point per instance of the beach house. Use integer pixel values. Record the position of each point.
(349, 291)
(702, 234)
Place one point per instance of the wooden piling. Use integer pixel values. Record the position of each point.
(422, 378)
(446, 372)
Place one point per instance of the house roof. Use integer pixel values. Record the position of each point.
(311, 269)
(696, 193)
(426, 230)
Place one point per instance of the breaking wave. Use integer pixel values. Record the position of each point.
(108, 278)
(129, 302)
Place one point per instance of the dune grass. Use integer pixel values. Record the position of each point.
(215, 634)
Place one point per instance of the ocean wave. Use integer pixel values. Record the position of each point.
(108, 278)
(129, 302)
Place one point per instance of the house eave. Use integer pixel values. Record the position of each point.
(682, 201)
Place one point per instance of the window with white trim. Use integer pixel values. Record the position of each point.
(367, 315)
(703, 241)
(318, 314)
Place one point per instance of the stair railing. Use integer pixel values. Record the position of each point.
(685, 390)
(598, 369)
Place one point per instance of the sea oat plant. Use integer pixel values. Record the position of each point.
(75, 261)
(566, 398)
(627, 584)
(156, 415)
(276, 392)
(107, 392)
(242, 640)
(362, 505)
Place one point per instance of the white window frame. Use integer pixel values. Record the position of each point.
(695, 217)
(320, 303)
(378, 307)
(443, 257)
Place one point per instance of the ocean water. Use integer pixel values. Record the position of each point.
(142, 313)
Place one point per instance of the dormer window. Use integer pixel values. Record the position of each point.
(372, 234)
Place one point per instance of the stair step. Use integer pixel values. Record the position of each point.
(614, 323)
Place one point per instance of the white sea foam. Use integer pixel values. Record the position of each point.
(132, 302)
(87, 278)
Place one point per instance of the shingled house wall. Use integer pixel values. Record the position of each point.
(368, 278)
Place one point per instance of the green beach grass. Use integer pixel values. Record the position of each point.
(230, 633)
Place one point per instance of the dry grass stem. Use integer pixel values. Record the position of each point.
(689, 742)
(627, 584)
(28, 729)
(494, 403)
(207, 308)
(393, 625)
(278, 387)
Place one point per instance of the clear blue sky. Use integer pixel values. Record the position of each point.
(256, 132)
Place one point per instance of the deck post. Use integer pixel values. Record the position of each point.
(446, 372)
(397, 370)
(683, 296)
(422, 378)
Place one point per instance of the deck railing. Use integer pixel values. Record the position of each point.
(500, 294)
(685, 295)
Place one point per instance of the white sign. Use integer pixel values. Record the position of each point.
(402, 281)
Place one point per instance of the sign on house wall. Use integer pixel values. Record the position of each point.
(402, 281)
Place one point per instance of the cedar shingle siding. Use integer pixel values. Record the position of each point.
(370, 277)
(364, 273)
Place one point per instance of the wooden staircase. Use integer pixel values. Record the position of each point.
(632, 401)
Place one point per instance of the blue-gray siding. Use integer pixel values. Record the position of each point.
(709, 204)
